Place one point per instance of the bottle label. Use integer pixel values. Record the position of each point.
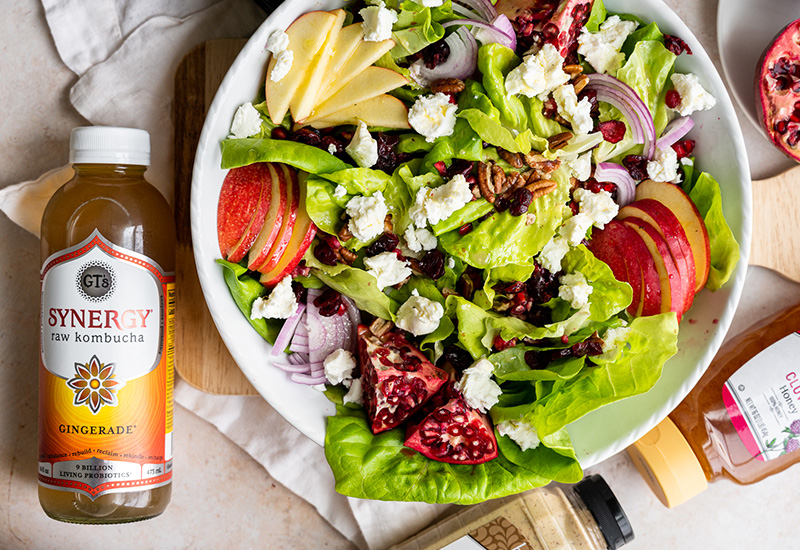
(763, 400)
(498, 534)
(105, 370)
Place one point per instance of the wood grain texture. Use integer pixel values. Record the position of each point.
(776, 224)
(201, 357)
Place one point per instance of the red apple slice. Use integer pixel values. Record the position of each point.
(273, 222)
(676, 200)
(669, 227)
(605, 246)
(303, 234)
(673, 296)
(289, 176)
(636, 253)
(243, 203)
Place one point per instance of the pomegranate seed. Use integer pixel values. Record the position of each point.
(672, 99)
(279, 133)
(684, 148)
(441, 167)
(501, 344)
(464, 229)
(613, 130)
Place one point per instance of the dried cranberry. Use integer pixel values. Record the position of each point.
(536, 359)
(435, 54)
(279, 132)
(684, 148)
(540, 316)
(501, 204)
(385, 243)
(457, 356)
(308, 136)
(325, 253)
(543, 285)
(513, 287)
(613, 130)
(550, 108)
(672, 99)
(676, 45)
(521, 201)
(637, 166)
(459, 167)
(388, 158)
(432, 264)
(300, 292)
(330, 303)
(327, 141)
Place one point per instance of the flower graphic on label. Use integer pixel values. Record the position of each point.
(94, 384)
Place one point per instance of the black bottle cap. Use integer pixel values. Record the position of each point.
(607, 512)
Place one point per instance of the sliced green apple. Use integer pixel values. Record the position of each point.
(384, 111)
(371, 82)
(307, 34)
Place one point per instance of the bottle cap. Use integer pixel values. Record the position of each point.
(668, 464)
(606, 509)
(109, 145)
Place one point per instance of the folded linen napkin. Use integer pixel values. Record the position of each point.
(105, 43)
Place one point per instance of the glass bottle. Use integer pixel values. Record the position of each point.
(586, 516)
(107, 310)
(740, 422)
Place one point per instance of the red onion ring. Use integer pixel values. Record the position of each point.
(461, 64)
(674, 131)
(487, 33)
(287, 331)
(617, 174)
(483, 7)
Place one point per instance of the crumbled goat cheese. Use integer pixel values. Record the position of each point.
(420, 239)
(363, 147)
(664, 166)
(538, 74)
(387, 269)
(378, 22)
(614, 341)
(574, 229)
(553, 252)
(367, 215)
(581, 166)
(577, 113)
(601, 49)
(246, 122)
(600, 207)
(433, 116)
(339, 366)
(419, 315)
(355, 394)
(278, 44)
(434, 205)
(522, 433)
(340, 191)
(693, 96)
(574, 289)
(476, 385)
(451, 263)
(686, 161)
(432, 3)
(332, 149)
(280, 304)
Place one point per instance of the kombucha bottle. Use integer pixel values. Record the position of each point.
(106, 354)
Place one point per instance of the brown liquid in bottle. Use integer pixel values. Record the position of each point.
(116, 200)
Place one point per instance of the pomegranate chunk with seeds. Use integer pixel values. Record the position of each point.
(454, 433)
(541, 22)
(397, 378)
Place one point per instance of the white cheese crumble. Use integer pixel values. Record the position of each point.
(574, 229)
(693, 96)
(332, 149)
(574, 289)
(367, 215)
(522, 433)
(278, 44)
(280, 304)
(340, 191)
(601, 49)
(355, 394)
(664, 166)
(553, 252)
(431, 3)
(686, 161)
(363, 148)
(476, 385)
(420, 239)
(433, 116)
(419, 315)
(387, 269)
(378, 22)
(614, 341)
(577, 113)
(538, 74)
(434, 205)
(451, 263)
(600, 207)
(339, 366)
(581, 166)
(246, 122)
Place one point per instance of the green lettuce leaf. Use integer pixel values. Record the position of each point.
(724, 248)
(609, 296)
(647, 71)
(245, 290)
(417, 26)
(241, 152)
(495, 61)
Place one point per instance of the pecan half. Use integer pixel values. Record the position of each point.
(388, 226)
(379, 327)
(572, 70)
(514, 159)
(346, 255)
(485, 181)
(344, 233)
(446, 291)
(447, 86)
(514, 180)
(559, 140)
(541, 188)
(580, 82)
(498, 178)
(533, 158)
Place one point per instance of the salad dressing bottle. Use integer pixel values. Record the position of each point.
(586, 516)
(740, 422)
(107, 310)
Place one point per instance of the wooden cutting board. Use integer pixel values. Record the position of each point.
(202, 359)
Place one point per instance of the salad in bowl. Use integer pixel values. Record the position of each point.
(469, 225)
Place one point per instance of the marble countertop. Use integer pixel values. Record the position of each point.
(220, 495)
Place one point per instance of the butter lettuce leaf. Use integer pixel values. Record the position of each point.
(241, 152)
(608, 296)
(245, 289)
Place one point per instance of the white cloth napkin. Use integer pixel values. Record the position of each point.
(125, 53)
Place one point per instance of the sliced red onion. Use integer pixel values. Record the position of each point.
(487, 32)
(298, 358)
(625, 98)
(461, 63)
(674, 131)
(302, 368)
(310, 379)
(484, 7)
(617, 174)
(326, 334)
(287, 331)
(465, 12)
(502, 24)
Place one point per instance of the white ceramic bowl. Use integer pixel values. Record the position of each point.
(597, 435)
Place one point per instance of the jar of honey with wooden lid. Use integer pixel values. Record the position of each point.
(106, 354)
(741, 422)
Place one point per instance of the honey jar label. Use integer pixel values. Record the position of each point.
(763, 400)
(105, 370)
